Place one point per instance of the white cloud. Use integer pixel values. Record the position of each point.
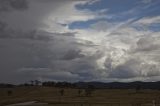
(149, 20)
(93, 1)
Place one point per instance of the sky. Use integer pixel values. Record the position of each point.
(79, 40)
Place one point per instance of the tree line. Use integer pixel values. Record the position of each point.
(97, 85)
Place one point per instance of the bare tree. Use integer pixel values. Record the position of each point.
(79, 92)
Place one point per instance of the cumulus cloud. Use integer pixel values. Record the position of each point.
(128, 54)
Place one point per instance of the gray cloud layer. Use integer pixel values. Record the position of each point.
(35, 44)
(10, 5)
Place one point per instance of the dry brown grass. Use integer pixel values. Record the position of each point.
(100, 97)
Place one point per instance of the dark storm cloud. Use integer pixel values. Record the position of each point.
(16, 54)
(9, 5)
(72, 54)
(33, 58)
(32, 35)
(2, 29)
(2, 26)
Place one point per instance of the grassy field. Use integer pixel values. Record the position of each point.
(100, 97)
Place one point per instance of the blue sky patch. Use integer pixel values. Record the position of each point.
(119, 11)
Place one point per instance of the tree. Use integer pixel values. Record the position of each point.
(9, 92)
(79, 92)
(37, 82)
(32, 83)
(61, 92)
(48, 83)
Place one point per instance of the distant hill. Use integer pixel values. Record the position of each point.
(120, 85)
(97, 85)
